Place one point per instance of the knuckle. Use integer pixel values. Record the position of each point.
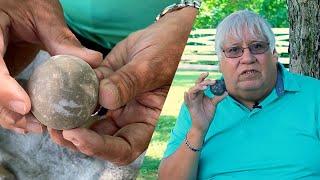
(65, 37)
(87, 150)
(6, 116)
(127, 84)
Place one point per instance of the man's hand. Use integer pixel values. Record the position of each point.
(25, 27)
(122, 135)
(200, 106)
(135, 78)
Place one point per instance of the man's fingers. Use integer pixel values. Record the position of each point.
(86, 141)
(216, 99)
(122, 86)
(4, 32)
(56, 36)
(62, 41)
(19, 123)
(12, 95)
(33, 125)
(57, 137)
(122, 148)
(105, 127)
(195, 90)
(208, 82)
(103, 72)
(202, 77)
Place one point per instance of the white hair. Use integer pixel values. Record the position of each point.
(235, 24)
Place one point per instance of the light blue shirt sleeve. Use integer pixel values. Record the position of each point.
(179, 132)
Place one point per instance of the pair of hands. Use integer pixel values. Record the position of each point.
(201, 107)
(134, 77)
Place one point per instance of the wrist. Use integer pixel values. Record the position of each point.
(187, 14)
(194, 4)
(194, 139)
(200, 125)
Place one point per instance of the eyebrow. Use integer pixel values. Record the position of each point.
(240, 43)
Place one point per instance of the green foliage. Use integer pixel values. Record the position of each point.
(213, 11)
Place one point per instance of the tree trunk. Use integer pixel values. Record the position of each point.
(304, 19)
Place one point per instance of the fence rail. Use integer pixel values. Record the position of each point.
(199, 52)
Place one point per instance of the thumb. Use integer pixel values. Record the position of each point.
(216, 99)
(123, 85)
(12, 95)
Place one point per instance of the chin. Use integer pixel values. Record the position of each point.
(250, 85)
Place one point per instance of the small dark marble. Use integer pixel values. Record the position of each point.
(218, 88)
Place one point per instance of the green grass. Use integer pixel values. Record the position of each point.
(183, 80)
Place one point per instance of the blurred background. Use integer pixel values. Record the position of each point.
(199, 56)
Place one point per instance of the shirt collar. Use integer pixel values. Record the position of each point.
(285, 81)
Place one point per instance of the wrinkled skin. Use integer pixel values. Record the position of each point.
(249, 88)
(134, 77)
(201, 107)
(27, 26)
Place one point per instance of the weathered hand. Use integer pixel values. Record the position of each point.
(25, 27)
(134, 77)
(200, 106)
(122, 135)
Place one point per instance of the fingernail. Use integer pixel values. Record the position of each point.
(92, 52)
(18, 106)
(89, 51)
(74, 141)
(99, 74)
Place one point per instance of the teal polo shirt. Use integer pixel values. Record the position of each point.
(107, 22)
(279, 141)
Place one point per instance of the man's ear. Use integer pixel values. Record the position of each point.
(275, 55)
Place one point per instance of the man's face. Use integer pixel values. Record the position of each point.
(250, 74)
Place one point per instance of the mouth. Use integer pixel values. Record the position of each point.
(248, 72)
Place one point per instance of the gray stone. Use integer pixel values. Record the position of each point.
(63, 92)
(36, 157)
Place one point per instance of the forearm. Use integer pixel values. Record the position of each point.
(183, 164)
(174, 29)
(182, 19)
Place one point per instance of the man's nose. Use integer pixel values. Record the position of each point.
(247, 57)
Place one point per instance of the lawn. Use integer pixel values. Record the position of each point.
(182, 81)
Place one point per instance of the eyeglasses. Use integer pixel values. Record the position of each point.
(254, 48)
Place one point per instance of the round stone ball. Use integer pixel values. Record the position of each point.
(63, 92)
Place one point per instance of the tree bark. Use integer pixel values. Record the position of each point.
(304, 39)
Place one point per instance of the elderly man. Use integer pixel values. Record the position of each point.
(135, 77)
(266, 126)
